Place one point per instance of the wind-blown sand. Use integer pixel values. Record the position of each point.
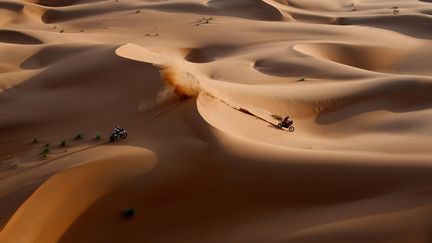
(198, 84)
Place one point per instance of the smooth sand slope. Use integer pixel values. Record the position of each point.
(199, 85)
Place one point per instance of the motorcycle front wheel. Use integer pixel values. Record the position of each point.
(291, 129)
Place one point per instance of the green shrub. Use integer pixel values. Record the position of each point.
(63, 143)
(45, 150)
(78, 136)
(128, 212)
(34, 141)
(98, 136)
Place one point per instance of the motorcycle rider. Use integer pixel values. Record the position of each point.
(286, 122)
(118, 130)
(118, 133)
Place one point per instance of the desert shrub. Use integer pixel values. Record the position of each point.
(62, 143)
(45, 151)
(78, 136)
(34, 141)
(128, 212)
(98, 136)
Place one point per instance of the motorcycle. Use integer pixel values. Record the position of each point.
(287, 125)
(117, 136)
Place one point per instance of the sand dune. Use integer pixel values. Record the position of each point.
(402, 23)
(62, 3)
(374, 58)
(11, 6)
(118, 168)
(200, 86)
(15, 37)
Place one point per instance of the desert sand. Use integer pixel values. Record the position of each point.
(199, 85)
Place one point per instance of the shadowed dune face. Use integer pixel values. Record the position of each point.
(50, 55)
(56, 16)
(256, 8)
(428, 12)
(233, 193)
(200, 87)
(62, 3)
(417, 26)
(120, 167)
(286, 67)
(317, 5)
(64, 86)
(373, 58)
(16, 37)
(11, 6)
(208, 54)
